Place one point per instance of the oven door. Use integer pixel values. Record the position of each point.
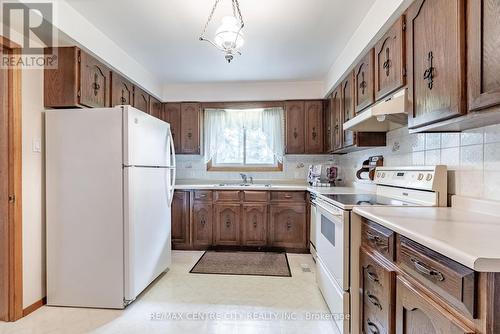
(332, 243)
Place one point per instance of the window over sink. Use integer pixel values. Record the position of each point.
(244, 139)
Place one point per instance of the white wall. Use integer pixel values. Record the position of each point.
(243, 91)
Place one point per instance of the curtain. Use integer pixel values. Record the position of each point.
(273, 123)
(214, 123)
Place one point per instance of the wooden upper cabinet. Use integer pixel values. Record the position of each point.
(122, 90)
(347, 109)
(314, 126)
(390, 60)
(483, 56)
(417, 313)
(436, 61)
(364, 83)
(227, 224)
(78, 80)
(335, 105)
(172, 115)
(155, 107)
(328, 125)
(141, 99)
(295, 115)
(190, 128)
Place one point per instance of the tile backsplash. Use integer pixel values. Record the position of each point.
(294, 167)
(472, 157)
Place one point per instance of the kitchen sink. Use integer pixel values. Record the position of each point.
(243, 185)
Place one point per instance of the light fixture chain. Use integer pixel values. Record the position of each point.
(239, 12)
(209, 19)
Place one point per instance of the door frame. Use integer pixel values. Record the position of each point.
(11, 307)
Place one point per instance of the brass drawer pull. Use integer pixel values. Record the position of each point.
(428, 271)
(288, 196)
(373, 238)
(372, 327)
(372, 276)
(373, 300)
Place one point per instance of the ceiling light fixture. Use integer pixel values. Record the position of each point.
(229, 36)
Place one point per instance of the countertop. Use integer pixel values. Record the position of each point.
(468, 237)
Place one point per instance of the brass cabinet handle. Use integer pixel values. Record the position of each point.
(429, 72)
(371, 275)
(202, 221)
(373, 238)
(426, 270)
(255, 224)
(363, 83)
(372, 327)
(288, 225)
(314, 133)
(123, 99)
(373, 300)
(295, 133)
(228, 224)
(190, 135)
(387, 62)
(288, 196)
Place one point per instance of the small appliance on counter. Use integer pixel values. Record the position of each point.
(367, 171)
(323, 175)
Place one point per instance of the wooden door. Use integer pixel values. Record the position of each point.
(141, 99)
(202, 225)
(416, 313)
(378, 294)
(436, 61)
(180, 220)
(172, 113)
(335, 105)
(390, 60)
(347, 109)
(483, 56)
(122, 91)
(227, 224)
(190, 128)
(313, 127)
(364, 83)
(155, 109)
(95, 79)
(328, 125)
(294, 115)
(288, 225)
(254, 224)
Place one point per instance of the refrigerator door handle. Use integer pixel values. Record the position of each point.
(173, 170)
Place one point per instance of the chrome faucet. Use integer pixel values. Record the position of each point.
(244, 177)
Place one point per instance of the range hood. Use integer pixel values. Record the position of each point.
(386, 115)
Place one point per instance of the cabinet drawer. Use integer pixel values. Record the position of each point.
(297, 196)
(203, 195)
(227, 196)
(378, 286)
(255, 196)
(448, 279)
(379, 238)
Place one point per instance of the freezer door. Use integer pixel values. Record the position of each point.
(146, 140)
(147, 227)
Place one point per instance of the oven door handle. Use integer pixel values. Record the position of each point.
(340, 213)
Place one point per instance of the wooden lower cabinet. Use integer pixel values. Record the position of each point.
(202, 225)
(288, 225)
(180, 220)
(416, 313)
(254, 224)
(227, 224)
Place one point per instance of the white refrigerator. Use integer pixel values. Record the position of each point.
(110, 177)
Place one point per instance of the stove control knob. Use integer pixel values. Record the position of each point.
(420, 177)
(429, 177)
(383, 175)
(378, 174)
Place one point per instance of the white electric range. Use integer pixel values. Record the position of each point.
(336, 245)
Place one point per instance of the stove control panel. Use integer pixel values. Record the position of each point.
(422, 178)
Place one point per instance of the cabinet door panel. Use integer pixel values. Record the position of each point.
(416, 313)
(190, 128)
(288, 225)
(483, 40)
(172, 113)
(436, 61)
(154, 107)
(335, 104)
(95, 79)
(227, 224)
(202, 224)
(180, 220)
(141, 100)
(295, 143)
(254, 224)
(347, 109)
(328, 126)
(122, 90)
(314, 126)
(390, 60)
(363, 83)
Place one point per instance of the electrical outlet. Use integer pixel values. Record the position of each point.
(37, 145)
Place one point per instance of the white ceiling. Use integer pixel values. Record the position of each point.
(286, 40)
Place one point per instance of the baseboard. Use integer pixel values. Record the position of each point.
(35, 306)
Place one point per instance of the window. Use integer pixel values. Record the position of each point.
(244, 139)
